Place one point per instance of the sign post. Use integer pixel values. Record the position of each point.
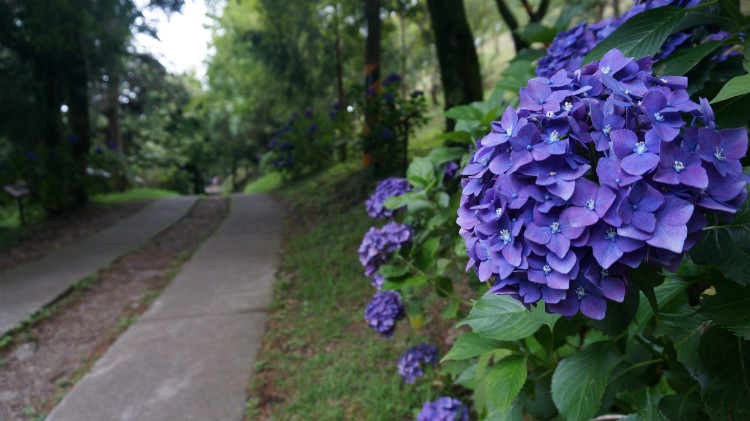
(18, 191)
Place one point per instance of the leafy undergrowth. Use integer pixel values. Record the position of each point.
(319, 360)
(132, 195)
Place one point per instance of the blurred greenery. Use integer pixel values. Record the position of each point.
(132, 195)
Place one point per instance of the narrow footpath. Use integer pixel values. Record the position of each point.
(27, 288)
(190, 356)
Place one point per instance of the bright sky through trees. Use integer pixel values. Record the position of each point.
(183, 37)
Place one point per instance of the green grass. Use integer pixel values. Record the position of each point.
(11, 229)
(132, 195)
(264, 184)
(319, 359)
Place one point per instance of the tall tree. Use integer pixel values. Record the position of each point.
(372, 72)
(459, 65)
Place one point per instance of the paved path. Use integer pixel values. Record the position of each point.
(190, 356)
(27, 288)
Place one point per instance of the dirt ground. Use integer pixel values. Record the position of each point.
(47, 358)
(60, 232)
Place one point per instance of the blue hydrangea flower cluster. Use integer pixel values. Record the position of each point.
(569, 48)
(392, 186)
(443, 409)
(378, 243)
(595, 172)
(410, 364)
(384, 311)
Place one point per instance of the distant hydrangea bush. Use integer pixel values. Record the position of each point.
(384, 311)
(444, 409)
(596, 172)
(410, 364)
(392, 186)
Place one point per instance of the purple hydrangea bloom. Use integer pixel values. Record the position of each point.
(371, 92)
(313, 128)
(388, 97)
(385, 133)
(31, 156)
(443, 409)
(379, 242)
(544, 223)
(569, 48)
(392, 78)
(410, 364)
(389, 187)
(384, 311)
(98, 150)
(73, 139)
(309, 112)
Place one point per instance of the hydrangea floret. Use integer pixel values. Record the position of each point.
(410, 363)
(378, 243)
(392, 186)
(596, 172)
(384, 311)
(443, 409)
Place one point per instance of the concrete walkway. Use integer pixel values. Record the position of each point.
(27, 288)
(190, 356)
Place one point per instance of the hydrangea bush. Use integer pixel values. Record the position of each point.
(305, 144)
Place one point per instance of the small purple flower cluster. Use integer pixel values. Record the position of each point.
(537, 215)
(410, 364)
(383, 311)
(443, 409)
(379, 242)
(389, 187)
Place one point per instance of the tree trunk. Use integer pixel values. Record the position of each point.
(114, 133)
(339, 61)
(372, 71)
(402, 19)
(512, 23)
(75, 80)
(459, 65)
